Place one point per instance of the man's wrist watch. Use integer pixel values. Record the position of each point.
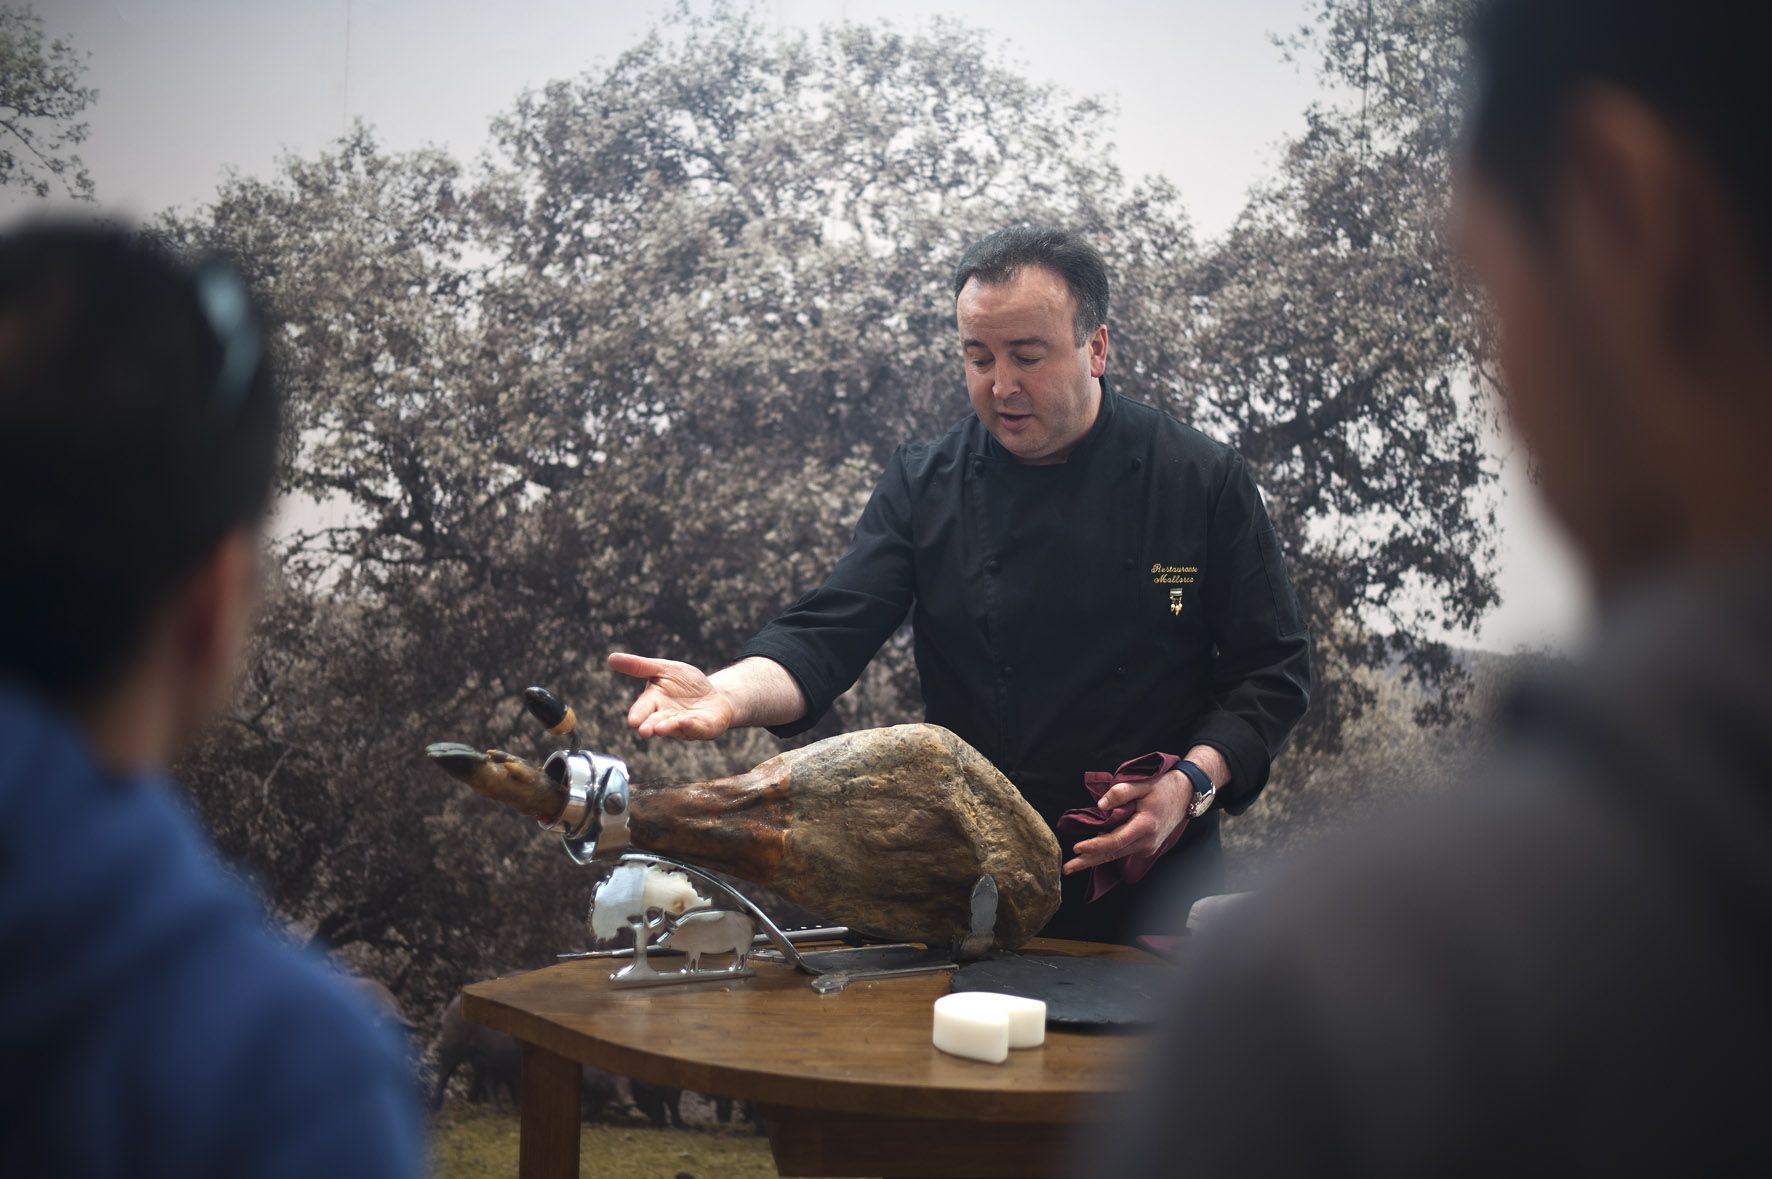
(1204, 790)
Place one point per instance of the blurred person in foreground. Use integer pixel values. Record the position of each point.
(1562, 965)
(150, 1021)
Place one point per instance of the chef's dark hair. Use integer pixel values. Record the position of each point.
(1001, 256)
(141, 425)
(1700, 64)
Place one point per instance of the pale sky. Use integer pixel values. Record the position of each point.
(191, 89)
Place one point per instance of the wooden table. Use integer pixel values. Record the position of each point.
(847, 1084)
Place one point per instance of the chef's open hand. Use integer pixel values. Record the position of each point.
(679, 701)
(1162, 805)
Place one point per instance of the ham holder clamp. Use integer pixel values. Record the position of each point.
(905, 834)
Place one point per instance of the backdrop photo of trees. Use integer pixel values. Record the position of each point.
(625, 379)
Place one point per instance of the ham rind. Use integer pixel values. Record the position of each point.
(884, 830)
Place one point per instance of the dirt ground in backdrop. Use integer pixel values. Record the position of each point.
(471, 1141)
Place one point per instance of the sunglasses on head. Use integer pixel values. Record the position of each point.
(221, 292)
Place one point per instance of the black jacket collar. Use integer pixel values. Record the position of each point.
(1091, 442)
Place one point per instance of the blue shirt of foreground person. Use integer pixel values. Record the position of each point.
(150, 1022)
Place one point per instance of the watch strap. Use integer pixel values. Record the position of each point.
(1204, 790)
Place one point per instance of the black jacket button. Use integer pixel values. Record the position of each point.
(1008, 673)
(992, 565)
(1128, 564)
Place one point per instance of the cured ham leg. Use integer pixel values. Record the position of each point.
(885, 830)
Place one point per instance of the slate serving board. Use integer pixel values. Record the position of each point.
(1078, 992)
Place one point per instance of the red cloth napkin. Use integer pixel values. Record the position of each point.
(1086, 821)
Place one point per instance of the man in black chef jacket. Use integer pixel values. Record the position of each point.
(1088, 580)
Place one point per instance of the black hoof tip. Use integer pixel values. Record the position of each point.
(544, 706)
(458, 759)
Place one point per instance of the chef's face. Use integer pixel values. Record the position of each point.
(1032, 385)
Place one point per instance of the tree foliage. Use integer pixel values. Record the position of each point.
(1340, 353)
(628, 381)
(41, 100)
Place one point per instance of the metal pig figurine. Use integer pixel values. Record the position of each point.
(885, 830)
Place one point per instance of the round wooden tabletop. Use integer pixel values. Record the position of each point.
(772, 1039)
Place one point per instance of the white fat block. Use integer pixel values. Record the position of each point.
(983, 1026)
(1027, 1020)
(966, 1027)
(671, 892)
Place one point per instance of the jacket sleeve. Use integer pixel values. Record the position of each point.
(826, 639)
(1261, 669)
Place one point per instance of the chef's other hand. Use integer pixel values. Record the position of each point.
(1161, 807)
(679, 701)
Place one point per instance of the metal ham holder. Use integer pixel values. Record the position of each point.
(633, 885)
